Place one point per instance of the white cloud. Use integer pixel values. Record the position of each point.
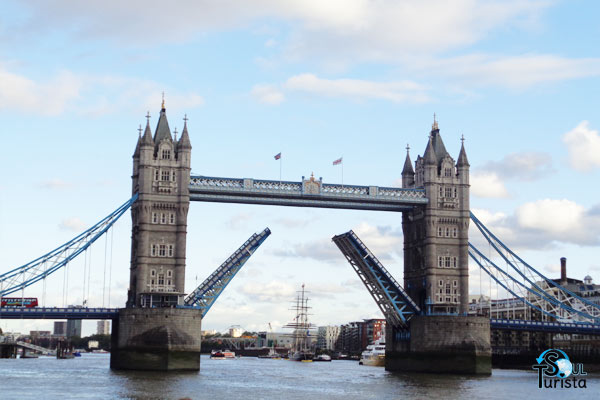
(515, 72)
(268, 94)
(561, 217)
(583, 145)
(86, 94)
(273, 291)
(383, 29)
(526, 166)
(47, 98)
(487, 184)
(73, 224)
(57, 184)
(397, 92)
(541, 224)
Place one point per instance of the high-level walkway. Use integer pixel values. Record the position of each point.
(306, 193)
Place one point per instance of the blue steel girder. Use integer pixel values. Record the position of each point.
(560, 298)
(205, 295)
(307, 193)
(58, 313)
(395, 304)
(40, 268)
(581, 328)
(540, 296)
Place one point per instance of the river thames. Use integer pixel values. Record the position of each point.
(89, 377)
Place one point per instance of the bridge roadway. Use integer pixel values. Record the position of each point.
(58, 313)
(112, 313)
(582, 328)
(307, 193)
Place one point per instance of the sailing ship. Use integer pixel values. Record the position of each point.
(301, 330)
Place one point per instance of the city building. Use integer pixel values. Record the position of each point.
(73, 328)
(235, 331)
(103, 327)
(60, 328)
(37, 334)
(327, 337)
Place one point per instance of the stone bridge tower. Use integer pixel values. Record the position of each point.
(436, 271)
(161, 175)
(151, 333)
(436, 264)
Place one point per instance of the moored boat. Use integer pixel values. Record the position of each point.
(222, 355)
(322, 357)
(374, 354)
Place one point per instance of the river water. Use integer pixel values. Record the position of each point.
(89, 377)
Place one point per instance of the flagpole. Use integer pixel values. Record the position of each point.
(342, 171)
(280, 161)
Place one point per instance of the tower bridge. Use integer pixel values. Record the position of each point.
(428, 326)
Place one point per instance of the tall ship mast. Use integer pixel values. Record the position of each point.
(301, 329)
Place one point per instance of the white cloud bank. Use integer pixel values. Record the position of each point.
(85, 94)
(583, 145)
(542, 223)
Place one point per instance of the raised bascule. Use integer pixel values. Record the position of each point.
(428, 328)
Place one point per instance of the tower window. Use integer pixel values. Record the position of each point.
(169, 273)
(153, 250)
(448, 192)
(440, 262)
(153, 272)
(454, 232)
(441, 282)
(441, 192)
(454, 262)
(155, 218)
(170, 251)
(168, 282)
(156, 174)
(454, 192)
(455, 283)
(163, 218)
(173, 176)
(172, 218)
(166, 154)
(447, 263)
(162, 250)
(440, 231)
(161, 279)
(448, 172)
(164, 176)
(447, 232)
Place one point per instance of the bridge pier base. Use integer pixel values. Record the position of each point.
(441, 344)
(156, 339)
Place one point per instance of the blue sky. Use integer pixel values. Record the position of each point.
(315, 81)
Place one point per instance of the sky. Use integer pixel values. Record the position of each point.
(315, 81)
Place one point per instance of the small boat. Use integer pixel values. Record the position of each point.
(303, 356)
(273, 355)
(322, 357)
(77, 354)
(374, 354)
(222, 355)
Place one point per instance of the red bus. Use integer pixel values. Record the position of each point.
(28, 302)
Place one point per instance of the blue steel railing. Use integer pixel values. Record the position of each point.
(397, 306)
(207, 293)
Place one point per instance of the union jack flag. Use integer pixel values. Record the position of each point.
(338, 161)
(277, 156)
